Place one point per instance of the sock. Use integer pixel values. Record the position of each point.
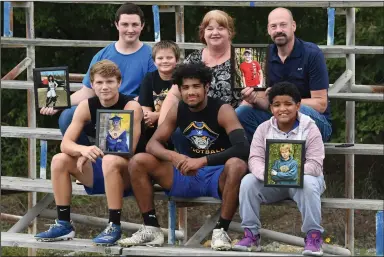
(223, 223)
(150, 218)
(64, 212)
(114, 216)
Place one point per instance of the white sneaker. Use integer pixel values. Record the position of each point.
(220, 240)
(150, 236)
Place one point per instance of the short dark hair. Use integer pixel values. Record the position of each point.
(284, 88)
(192, 71)
(129, 8)
(166, 44)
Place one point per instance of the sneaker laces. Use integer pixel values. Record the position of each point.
(222, 235)
(313, 241)
(108, 230)
(141, 234)
(51, 226)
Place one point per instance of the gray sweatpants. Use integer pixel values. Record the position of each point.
(253, 193)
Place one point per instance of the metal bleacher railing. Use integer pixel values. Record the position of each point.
(33, 185)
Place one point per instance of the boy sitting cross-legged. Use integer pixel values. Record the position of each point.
(287, 123)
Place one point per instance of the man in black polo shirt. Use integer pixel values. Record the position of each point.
(215, 162)
(296, 61)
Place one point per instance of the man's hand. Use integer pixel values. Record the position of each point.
(191, 165)
(48, 111)
(249, 95)
(92, 153)
(80, 163)
(273, 173)
(150, 118)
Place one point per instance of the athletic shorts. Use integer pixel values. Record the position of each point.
(98, 181)
(205, 183)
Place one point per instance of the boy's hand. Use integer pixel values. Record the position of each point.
(179, 160)
(92, 153)
(80, 163)
(150, 118)
(192, 165)
(48, 111)
(273, 173)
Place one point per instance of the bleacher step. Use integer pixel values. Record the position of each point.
(85, 245)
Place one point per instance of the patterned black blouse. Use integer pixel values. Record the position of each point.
(221, 82)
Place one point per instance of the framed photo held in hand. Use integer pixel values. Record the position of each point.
(248, 67)
(114, 131)
(284, 163)
(51, 87)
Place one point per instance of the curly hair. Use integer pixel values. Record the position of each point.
(192, 71)
(284, 88)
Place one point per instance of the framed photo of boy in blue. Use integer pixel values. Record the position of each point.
(284, 163)
(114, 131)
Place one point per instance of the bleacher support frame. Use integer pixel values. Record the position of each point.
(347, 79)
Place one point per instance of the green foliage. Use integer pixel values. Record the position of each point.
(274, 155)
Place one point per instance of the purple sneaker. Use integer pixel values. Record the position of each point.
(313, 242)
(249, 243)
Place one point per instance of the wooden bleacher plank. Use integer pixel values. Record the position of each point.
(359, 149)
(28, 240)
(191, 251)
(34, 185)
(85, 245)
(25, 132)
(42, 185)
(54, 134)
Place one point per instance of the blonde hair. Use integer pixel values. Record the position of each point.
(105, 68)
(166, 44)
(222, 18)
(285, 147)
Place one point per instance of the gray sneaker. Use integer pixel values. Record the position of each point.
(146, 235)
(220, 240)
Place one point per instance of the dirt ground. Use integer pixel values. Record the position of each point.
(278, 218)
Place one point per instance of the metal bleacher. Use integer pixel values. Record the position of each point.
(33, 184)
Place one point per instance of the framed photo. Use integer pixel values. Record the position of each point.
(284, 163)
(51, 87)
(248, 67)
(114, 131)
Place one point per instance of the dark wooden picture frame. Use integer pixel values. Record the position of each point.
(284, 171)
(245, 61)
(117, 142)
(51, 87)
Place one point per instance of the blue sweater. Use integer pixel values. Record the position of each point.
(288, 177)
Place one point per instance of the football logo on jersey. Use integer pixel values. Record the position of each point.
(200, 135)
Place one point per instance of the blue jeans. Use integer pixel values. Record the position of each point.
(250, 118)
(64, 122)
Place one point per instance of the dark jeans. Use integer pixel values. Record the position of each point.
(250, 118)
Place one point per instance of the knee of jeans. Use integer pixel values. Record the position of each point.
(65, 118)
(242, 112)
(248, 182)
(312, 184)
